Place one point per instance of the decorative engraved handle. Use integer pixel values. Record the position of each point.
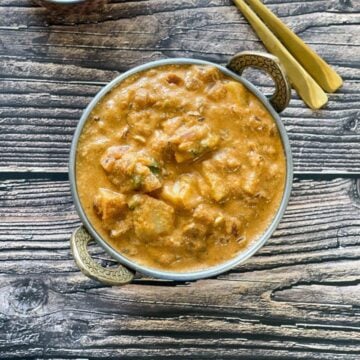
(271, 64)
(78, 242)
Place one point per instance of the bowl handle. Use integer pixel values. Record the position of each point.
(78, 243)
(270, 64)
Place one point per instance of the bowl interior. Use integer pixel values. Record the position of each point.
(198, 274)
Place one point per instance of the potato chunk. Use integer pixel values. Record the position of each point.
(152, 217)
(143, 122)
(142, 98)
(218, 220)
(159, 146)
(183, 193)
(228, 159)
(201, 75)
(192, 141)
(174, 79)
(222, 173)
(217, 92)
(219, 188)
(238, 93)
(109, 204)
(251, 182)
(188, 138)
(172, 124)
(120, 228)
(206, 213)
(131, 170)
(209, 74)
(194, 236)
(111, 155)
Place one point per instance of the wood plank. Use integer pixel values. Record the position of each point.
(137, 323)
(297, 299)
(321, 223)
(50, 73)
(39, 115)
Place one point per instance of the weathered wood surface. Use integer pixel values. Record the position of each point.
(298, 298)
(322, 223)
(49, 72)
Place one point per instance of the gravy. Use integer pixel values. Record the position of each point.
(180, 168)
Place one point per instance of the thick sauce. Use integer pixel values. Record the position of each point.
(180, 168)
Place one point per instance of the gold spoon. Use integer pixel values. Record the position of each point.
(306, 87)
(317, 67)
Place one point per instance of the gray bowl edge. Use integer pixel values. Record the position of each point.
(199, 274)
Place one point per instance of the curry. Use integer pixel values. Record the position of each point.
(180, 168)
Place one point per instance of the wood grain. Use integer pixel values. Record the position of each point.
(50, 71)
(321, 223)
(297, 299)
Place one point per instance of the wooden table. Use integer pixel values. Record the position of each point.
(298, 298)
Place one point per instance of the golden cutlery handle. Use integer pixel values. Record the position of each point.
(78, 242)
(306, 87)
(271, 64)
(317, 67)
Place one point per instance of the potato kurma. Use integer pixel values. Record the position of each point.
(180, 167)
